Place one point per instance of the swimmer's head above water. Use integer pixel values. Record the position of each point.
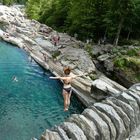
(15, 79)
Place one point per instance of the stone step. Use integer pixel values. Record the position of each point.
(133, 103)
(91, 131)
(99, 122)
(73, 131)
(106, 119)
(122, 114)
(50, 135)
(62, 133)
(127, 109)
(118, 122)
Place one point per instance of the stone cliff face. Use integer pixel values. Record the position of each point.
(113, 118)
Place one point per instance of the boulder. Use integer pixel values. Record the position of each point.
(62, 133)
(132, 102)
(109, 65)
(1, 13)
(91, 131)
(100, 124)
(134, 95)
(127, 109)
(122, 114)
(104, 87)
(110, 111)
(73, 131)
(106, 119)
(135, 88)
(50, 135)
(103, 57)
(79, 58)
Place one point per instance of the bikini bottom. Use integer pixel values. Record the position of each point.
(68, 90)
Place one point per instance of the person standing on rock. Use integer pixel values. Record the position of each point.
(56, 39)
(67, 88)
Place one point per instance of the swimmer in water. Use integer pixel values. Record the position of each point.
(15, 79)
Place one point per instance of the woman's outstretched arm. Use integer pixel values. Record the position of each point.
(54, 77)
(61, 78)
(84, 74)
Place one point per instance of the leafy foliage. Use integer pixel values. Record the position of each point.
(90, 19)
(128, 62)
(10, 2)
(93, 19)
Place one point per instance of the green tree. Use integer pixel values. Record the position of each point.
(86, 18)
(121, 9)
(10, 2)
(55, 13)
(89, 18)
(33, 8)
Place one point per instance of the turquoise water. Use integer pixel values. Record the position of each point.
(32, 104)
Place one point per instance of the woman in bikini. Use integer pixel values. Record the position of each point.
(67, 88)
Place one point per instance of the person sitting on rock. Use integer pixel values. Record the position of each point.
(67, 88)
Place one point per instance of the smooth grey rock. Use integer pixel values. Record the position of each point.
(122, 114)
(103, 57)
(73, 131)
(46, 44)
(109, 65)
(78, 56)
(111, 126)
(136, 86)
(135, 96)
(91, 131)
(132, 102)
(50, 135)
(97, 93)
(62, 133)
(135, 135)
(109, 110)
(112, 83)
(103, 87)
(127, 109)
(100, 89)
(1, 13)
(135, 91)
(101, 125)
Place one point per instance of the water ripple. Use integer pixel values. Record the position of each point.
(32, 104)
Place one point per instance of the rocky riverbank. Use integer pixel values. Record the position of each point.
(121, 63)
(37, 40)
(112, 119)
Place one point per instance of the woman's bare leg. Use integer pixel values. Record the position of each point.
(65, 100)
(68, 99)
